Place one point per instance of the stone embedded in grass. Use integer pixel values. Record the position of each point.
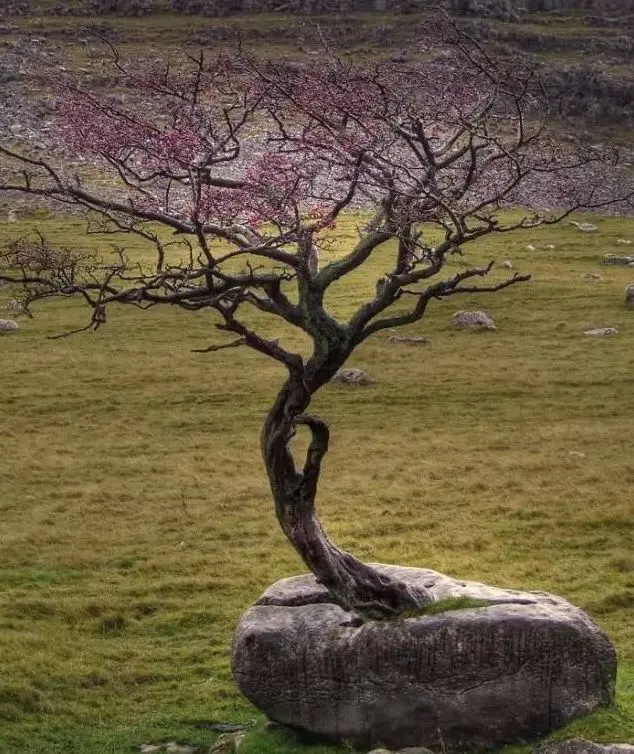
(582, 746)
(592, 277)
(629, 296)
(584, 227)
(623, 242)
(602, 332)
(8, 325)
(512, 669)
(352, 376)
(616, 259)
(507, 264)
(409, 340)
(473, 321)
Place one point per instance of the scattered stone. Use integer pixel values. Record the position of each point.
(549, 246)
(473, 320)
(629, 296)
(172, 747)
(410, 340)
(584, 227)
(352, 376)
(615, 259)
(507, 264)
(623, 242)
(530, 247)
(576, 454)
(592, 276)
(581, 746)
(602, 332)
(8, 325)
(511, 669)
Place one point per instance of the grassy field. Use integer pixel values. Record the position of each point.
(137, 524)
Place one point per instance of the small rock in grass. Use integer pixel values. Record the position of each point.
(576, 454)
(410, 340)
(473, 321)
(602, 332)
(173, 747)
(530, 247)
(623, 242)
(615, 259)
(8, 325)
(549, 246)
(629, 296)
(582, 746)
(352, 376)
(507, 264)
(592, 276)
(584, 227)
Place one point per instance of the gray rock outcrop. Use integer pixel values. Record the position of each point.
(473, 321)
(8, 325)
(352, 376)
(470, 678)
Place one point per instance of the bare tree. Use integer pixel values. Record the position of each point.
(247, 165)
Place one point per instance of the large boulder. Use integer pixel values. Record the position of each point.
(513, 669)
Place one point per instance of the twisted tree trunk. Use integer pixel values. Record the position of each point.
(352, 584)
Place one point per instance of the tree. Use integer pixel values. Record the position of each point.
(247, 165)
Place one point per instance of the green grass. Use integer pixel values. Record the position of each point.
(137, 524)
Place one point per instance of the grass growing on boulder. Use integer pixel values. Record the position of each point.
(448, 604)
(137, 524)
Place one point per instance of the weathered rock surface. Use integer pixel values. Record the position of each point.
(602, 332)
(581, 746)
(473, 321)
(8, 325)
(615, 259)
(352, 376)
(629, 296)
(409, 340)
(514, 669)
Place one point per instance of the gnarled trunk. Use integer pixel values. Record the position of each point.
(352, 584)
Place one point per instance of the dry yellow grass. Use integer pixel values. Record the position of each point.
(137, 523)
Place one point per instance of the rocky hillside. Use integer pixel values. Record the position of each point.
(507, 10)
